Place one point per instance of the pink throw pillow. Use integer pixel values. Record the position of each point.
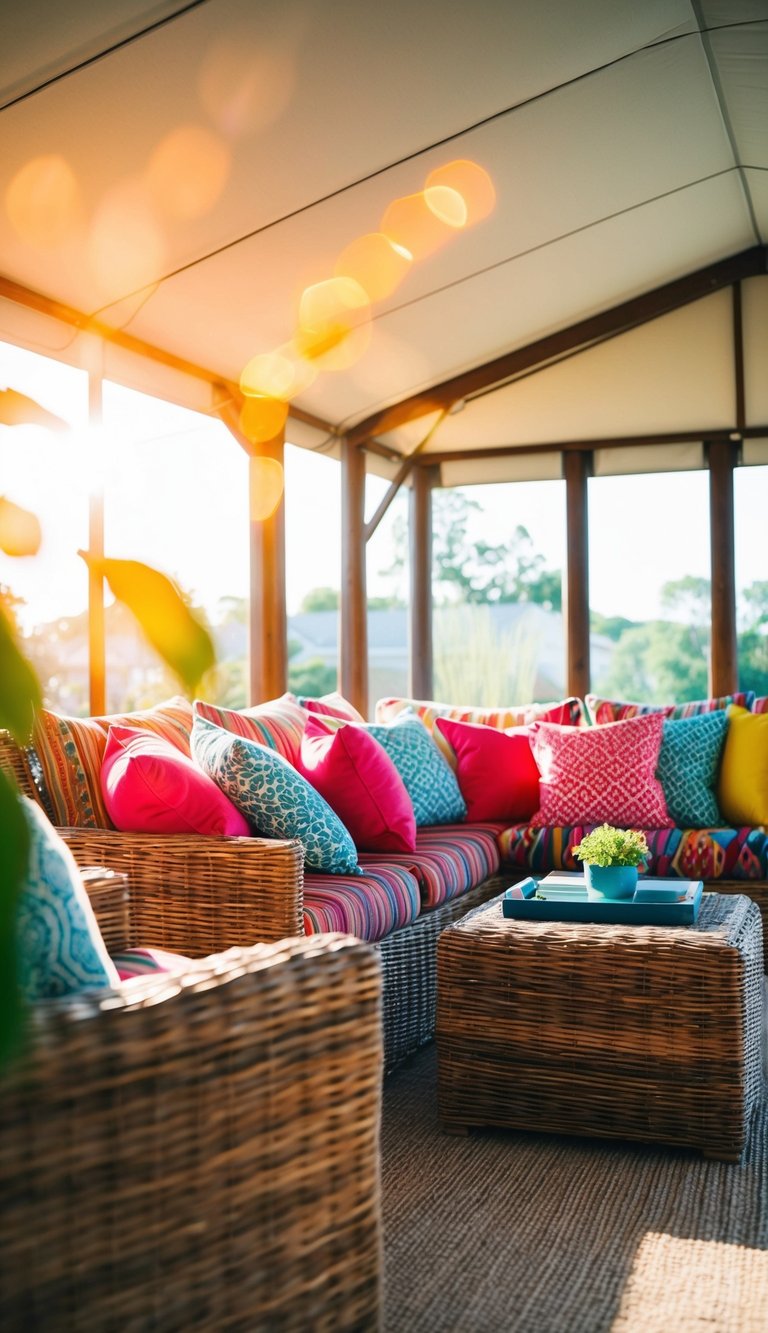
(357, 778)
(603, 775)
(151, 787)
(496, 770)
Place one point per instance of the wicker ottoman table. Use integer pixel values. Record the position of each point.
(644, 1032)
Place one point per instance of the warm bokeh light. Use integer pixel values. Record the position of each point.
(267, 482)
(334, 323)
(127, 248)
(43, 201)
(244, 87)
(19, 529)
(469, 180)
(271, 375)
(263, 418)
(447, 205)
(375, 262)
(188, 171)
(413, 226)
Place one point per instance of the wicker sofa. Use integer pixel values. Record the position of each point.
(198, 1150)
(198, 896)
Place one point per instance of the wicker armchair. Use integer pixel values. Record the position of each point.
(199, 1151)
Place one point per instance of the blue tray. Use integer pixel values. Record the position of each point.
(651, 905)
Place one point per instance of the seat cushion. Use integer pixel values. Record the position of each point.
(720, 853)
(449, 860)
(369, 906)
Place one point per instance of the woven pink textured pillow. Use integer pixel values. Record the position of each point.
(606, 775)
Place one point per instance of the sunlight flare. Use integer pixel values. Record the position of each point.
(267, 482)
(471, 182)
(334, 323)
(43, 201)
(188, 171)
(375, 262)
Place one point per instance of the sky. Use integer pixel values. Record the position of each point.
(175, 485)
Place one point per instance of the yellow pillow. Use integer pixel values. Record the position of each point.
(742, 790)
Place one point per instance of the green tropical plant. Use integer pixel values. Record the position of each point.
(609, 846)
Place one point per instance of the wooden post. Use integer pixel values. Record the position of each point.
(576, 470)
(93, 352)
(353, 668)
(723, 663)
(268, 621)
(420, 680)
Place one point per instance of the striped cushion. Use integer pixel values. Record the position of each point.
(369, 905)
(759, 705)
(71, 749)
(722, 853)
(449, 860)
(278, 724)
(145, 962)
(601, 711)
(568, 712)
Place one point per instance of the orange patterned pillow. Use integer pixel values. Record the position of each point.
(70, 750)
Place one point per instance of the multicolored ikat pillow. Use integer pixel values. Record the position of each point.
(276, 800)
(689, 764)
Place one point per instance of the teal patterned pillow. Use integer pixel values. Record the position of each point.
(689, 760)
(276, 800)
(61, 950)
(429, 781)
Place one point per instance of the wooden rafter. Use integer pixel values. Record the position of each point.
(607, 324)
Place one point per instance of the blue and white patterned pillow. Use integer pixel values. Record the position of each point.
(429, 781)
(61, 951)
(276, 800)
(689, 760)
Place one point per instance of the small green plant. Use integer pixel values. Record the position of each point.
(609, 846)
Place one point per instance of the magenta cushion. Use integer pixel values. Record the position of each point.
(603, 775)
(151, 787)
(496, 770)
(359, 781)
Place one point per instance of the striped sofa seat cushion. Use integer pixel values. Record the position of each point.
(369, 906)
(71, 750)
(720, 853)
(450, 859)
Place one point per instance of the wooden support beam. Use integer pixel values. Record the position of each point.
(353, 667)
(421, 665)
(435, 458)
(92, 357)
(738, 359)
(607, 324)
(576, 470)
(268, 621)
(723, 665)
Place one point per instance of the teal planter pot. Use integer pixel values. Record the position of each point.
(608, 883)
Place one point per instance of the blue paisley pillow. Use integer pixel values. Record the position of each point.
(689, 761)
(61, 950)
(276, 800)
(429, 781)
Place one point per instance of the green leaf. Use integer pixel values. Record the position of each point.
(19, 529)
(20, 695)
(14, 841)
(166, 620)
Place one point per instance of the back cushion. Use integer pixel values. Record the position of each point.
(71, 751)
(332, 705)
(357, 778)
(496, 770)
(602, 710)
(278, 724)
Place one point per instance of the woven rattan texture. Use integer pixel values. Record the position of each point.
(409, 971)
(108, 894)
(647, 1033)
(201, 1156)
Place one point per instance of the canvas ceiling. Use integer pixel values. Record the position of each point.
(627, 144)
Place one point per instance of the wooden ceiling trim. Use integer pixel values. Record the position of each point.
(725, 433)
(607, 324)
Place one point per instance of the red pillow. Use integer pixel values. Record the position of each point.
(495, 769)
(357, 778)
(601, 775)
(151, 787)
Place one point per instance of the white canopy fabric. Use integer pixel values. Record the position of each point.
(627, 144)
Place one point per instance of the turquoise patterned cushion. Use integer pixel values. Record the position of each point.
(429, 781)
(61, 950)
(276, 800)
(689, 760)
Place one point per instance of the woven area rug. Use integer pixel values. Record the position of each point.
(537, 1234)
